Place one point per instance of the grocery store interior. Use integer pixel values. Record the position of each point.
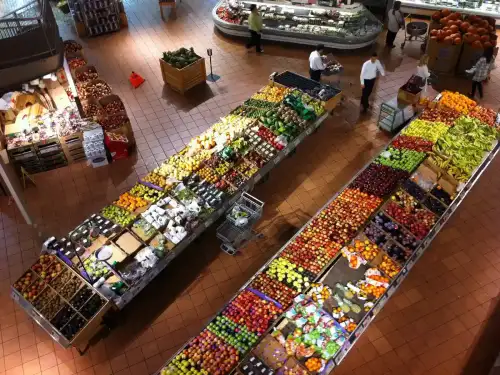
(444, 318)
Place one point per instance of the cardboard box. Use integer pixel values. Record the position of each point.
(443, 58)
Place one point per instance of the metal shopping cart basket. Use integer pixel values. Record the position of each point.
(415, 31)
(237, 229)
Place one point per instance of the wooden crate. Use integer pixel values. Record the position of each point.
(72, 146)
(184, 79)
(333, 102)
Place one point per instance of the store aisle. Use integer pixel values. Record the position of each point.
(435, 322)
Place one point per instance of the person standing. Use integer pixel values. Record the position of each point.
(316, 64)
(395, 22)
(255, 28)
(423, 70)
(368, 77)
(480, 72)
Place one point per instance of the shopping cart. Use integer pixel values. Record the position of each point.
(237, 229)
(415, 31)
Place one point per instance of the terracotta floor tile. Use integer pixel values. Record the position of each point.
(48, 361)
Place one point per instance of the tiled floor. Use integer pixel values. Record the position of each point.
(443, 318)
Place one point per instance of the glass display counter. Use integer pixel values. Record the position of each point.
(349, 27)
(486, 8)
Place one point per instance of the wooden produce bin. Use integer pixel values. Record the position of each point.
(72, 146)
(186, 78)
(443, 58)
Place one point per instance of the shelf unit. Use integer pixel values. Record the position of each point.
(97, 16)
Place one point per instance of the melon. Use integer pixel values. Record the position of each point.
(448, 40)
(436, 16)
(457, 41)
(482, 31)
(445, 12)
(477, 44)
(454, 28)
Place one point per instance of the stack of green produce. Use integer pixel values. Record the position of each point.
(256, 103)
(181, 58)
(404, 159)
(272, 121)
(462, 149)
(234, 334)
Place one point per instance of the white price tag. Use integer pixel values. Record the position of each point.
(278, 158)
(296, 142)
(257, 177)
(209, 222)
(309, 131)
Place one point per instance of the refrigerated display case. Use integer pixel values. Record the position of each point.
(486, 8)
(349, 27)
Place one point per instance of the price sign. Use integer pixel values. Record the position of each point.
(309, 131)
(296, 142)
(257, 177)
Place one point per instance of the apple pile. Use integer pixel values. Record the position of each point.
(237, 336)
(412, 143)
(311, 255)
(252, 311)
(273, 289)
(290, 274)
(269, 137)
(344, 215)
(406, 160)
(208, 352)
(24, 281)
(419, 222)
(486, 115)
(378, 180)
(445, 115)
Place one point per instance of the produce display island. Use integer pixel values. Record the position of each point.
(115, 253)
(489, 8)
(348, 27)
(305, 308)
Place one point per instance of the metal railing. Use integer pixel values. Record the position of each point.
(26, 18)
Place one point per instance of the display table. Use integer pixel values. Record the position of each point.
(307, 306)
(119, 250)
(419, 7)
(349, 27)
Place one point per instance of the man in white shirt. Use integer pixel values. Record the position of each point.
(316, 64)
(368, 76)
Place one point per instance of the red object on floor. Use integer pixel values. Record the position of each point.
(117, 145)
(136, 80)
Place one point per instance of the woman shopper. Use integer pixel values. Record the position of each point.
(423, 70)
(395, 21)
(480, 72)
(255, 28)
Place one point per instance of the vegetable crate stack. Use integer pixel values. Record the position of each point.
(183, 69)
(60, 300)
(456, 41)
